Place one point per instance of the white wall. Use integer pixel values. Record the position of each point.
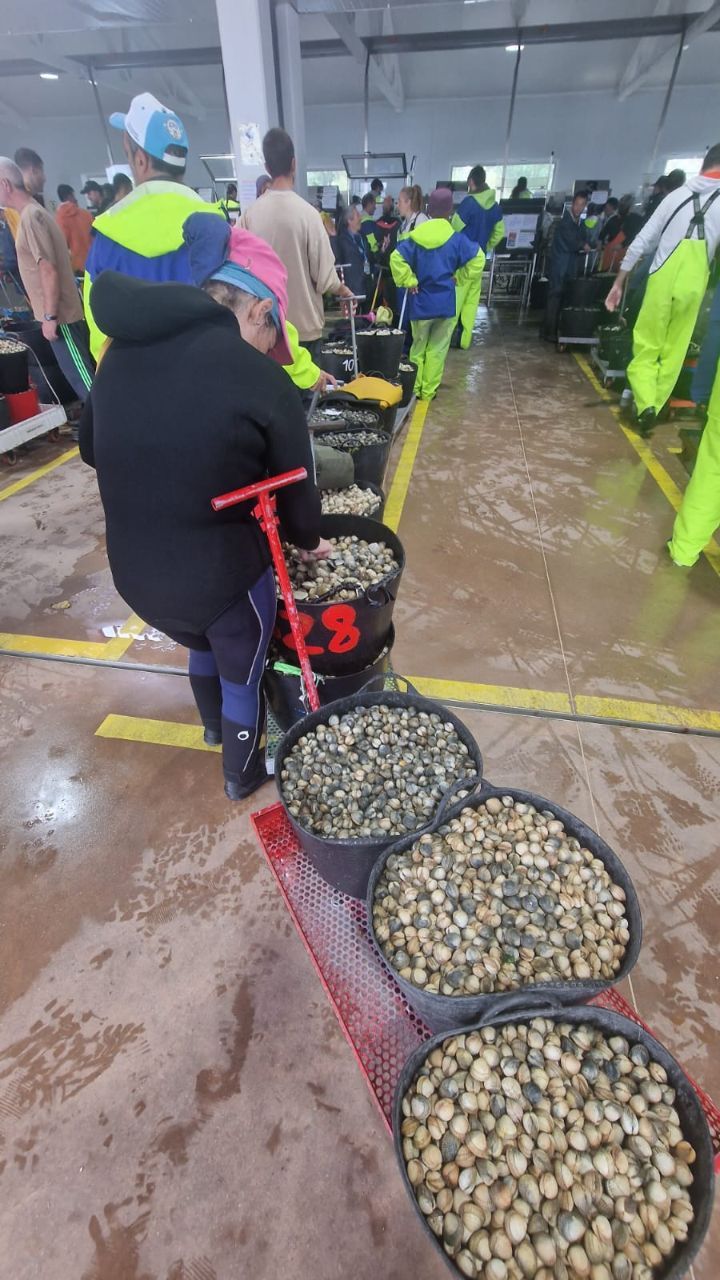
(592, 134)
(72, 145)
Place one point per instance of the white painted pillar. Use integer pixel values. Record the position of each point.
(248, 64)
(287, 29)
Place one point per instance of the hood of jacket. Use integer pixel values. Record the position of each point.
(134, 310)
(431, 234)
(150, 219)
(485, 198)
(702, 184)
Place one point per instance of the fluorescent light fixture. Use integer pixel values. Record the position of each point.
(49, 75)
(513, 48)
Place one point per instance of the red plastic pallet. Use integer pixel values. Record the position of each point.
(380, 1026)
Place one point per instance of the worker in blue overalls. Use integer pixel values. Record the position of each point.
(479, 217)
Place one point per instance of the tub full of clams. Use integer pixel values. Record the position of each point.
(355, 775)
(507, 894)
(341, 410)
(346, 602)
(354, 500)
(554, 1144)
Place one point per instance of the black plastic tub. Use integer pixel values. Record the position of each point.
(692, 1117)
(369, 460)
(14, 367)
(346, 863)
(340, 363)
(580, 322)
(615, 344)
(4, 413)
(349, 634)
(286, 692)
(380, 352)
(440, 1012)
(407, 374)
(587, 291)
(30, 332)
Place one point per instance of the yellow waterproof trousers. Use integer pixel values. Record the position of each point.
(665, 324)
(430, 345)
(468, 301)
(699, 514)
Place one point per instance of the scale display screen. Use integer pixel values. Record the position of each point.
(376, 164)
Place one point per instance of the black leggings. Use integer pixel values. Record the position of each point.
(226, 668)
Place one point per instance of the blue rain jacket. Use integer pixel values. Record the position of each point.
(430, 260)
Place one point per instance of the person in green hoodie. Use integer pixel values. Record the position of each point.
(433, 262)
(480, 218)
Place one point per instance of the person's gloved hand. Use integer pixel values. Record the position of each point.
(320, 552)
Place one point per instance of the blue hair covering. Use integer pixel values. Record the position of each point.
(208, 240)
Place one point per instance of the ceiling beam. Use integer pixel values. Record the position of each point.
(692, 31)
(644, 49)
(498, 37)
(358, 47)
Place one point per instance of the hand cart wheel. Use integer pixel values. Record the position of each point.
(9, 459)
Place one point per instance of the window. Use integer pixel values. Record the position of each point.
(690, 165)
(329, 178)
(539, 174)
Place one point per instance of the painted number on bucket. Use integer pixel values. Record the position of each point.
(338, 620)
(348, 365)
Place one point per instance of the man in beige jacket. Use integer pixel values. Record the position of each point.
(295, 231)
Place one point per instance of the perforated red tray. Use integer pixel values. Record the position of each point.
(379, 1024)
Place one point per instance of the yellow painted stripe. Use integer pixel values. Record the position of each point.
(19, 485)
(48, 646)
(51, 647)
(406, 462)
(129, 632)
(647, 712)
(662, 478)
(162, 733)
(497, 695)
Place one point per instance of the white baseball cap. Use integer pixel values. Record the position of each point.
(154, 128)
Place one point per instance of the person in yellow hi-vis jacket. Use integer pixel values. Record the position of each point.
(683, 235)
(479, 216)
(429, 262)
(699, 514)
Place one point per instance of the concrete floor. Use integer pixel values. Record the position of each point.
(177, 1101)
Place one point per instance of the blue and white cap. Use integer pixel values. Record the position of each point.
(153, 128)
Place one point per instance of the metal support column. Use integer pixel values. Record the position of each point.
(287, 30)
(511, 112)
(366, 109)
(666, 103)
(101, 114)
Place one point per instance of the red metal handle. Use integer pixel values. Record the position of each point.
(254, 490)
(265, 514)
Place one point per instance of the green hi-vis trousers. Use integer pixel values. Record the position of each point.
(467, 293)
(699, 514)
(665, 324)
(430, 345)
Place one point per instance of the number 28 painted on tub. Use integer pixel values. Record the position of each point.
(337, 619)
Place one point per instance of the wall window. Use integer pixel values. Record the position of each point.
(689, 164)
(329, 178)
(539, 173)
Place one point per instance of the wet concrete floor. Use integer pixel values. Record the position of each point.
(177, 1101)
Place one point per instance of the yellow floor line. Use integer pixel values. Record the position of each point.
(167, 733)
(662, 478)
(162, 733)
(52, 647)
(647, 712)
(406, 462)
(19, 485)
(495, 694)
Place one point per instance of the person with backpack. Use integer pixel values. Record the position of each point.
(681, 237)
(430, 262)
